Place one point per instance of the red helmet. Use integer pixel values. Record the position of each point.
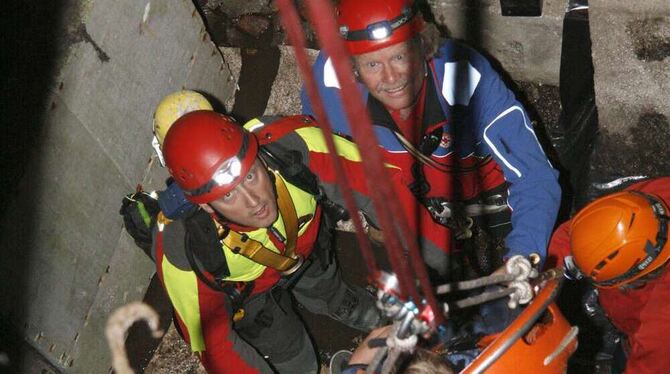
(620, 238)
(369, 25)
(207, 154)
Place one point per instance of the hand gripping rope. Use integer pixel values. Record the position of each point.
(518, 272)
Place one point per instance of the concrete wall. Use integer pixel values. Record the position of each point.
(528, 48)
(284, 96)
(66, 260)
(631, 57)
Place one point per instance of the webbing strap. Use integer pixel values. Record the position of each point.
(288, 214)
(426, 160)
(257, 252)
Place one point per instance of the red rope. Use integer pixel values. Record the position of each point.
(296, 36)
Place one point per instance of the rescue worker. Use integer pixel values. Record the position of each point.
(445, 117)
(259, 236)
(232, 296)
(169, 109)
(619, 243)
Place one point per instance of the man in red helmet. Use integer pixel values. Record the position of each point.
(259, 238)
(619, 243)
(446, 119)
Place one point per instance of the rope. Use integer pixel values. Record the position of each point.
(434, 164)
(395, 348)
(480, 299)
(117, 326)
(291, 22)
(474, 283)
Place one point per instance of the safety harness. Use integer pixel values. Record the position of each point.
(207, 250)
(481, 223)
(279, 161)
(285, 263)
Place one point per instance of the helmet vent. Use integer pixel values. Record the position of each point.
(613, 254)
(604, 262)
(632, 218)
(600, 265)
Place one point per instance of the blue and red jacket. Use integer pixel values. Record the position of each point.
(481, 128)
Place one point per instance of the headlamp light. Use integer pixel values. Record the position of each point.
(227, 173)
(379, 30)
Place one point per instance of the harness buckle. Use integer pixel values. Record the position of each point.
(298, 264)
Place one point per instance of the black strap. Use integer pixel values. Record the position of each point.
(196, 269)
(291, 166)
(236, 297)
(203, 241)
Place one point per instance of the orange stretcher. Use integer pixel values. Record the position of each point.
(539, 341)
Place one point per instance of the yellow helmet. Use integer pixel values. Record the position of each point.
(175, 105)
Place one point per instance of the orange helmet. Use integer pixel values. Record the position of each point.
(620, 237)
(208, 154)
(369, 25)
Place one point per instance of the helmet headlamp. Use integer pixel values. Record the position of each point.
(228, 173)
(378, 30)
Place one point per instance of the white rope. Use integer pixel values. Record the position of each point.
(396, 347)
(117, 326)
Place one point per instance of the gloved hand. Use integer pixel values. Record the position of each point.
(139, 211)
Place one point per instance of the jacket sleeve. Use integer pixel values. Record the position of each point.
(203, 314)
(225, 351)
(505, 132)
(329, 91)
(648, 345)
(648, 348)
(559, 246)
(434, 245)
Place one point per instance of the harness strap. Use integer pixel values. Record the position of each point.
(426, 160)
(235, 296)
(257, 252)
(288, 214)
(279, 128)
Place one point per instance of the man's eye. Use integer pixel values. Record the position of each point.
(372, 64)
(228, 195)
(250, 177)
(399, 57)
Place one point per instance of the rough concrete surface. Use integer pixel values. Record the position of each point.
(285, 97)
(67, 258)
(285, 94)
(631, 56)
(528, 48)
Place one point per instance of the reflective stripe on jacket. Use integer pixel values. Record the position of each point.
(483, 118)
